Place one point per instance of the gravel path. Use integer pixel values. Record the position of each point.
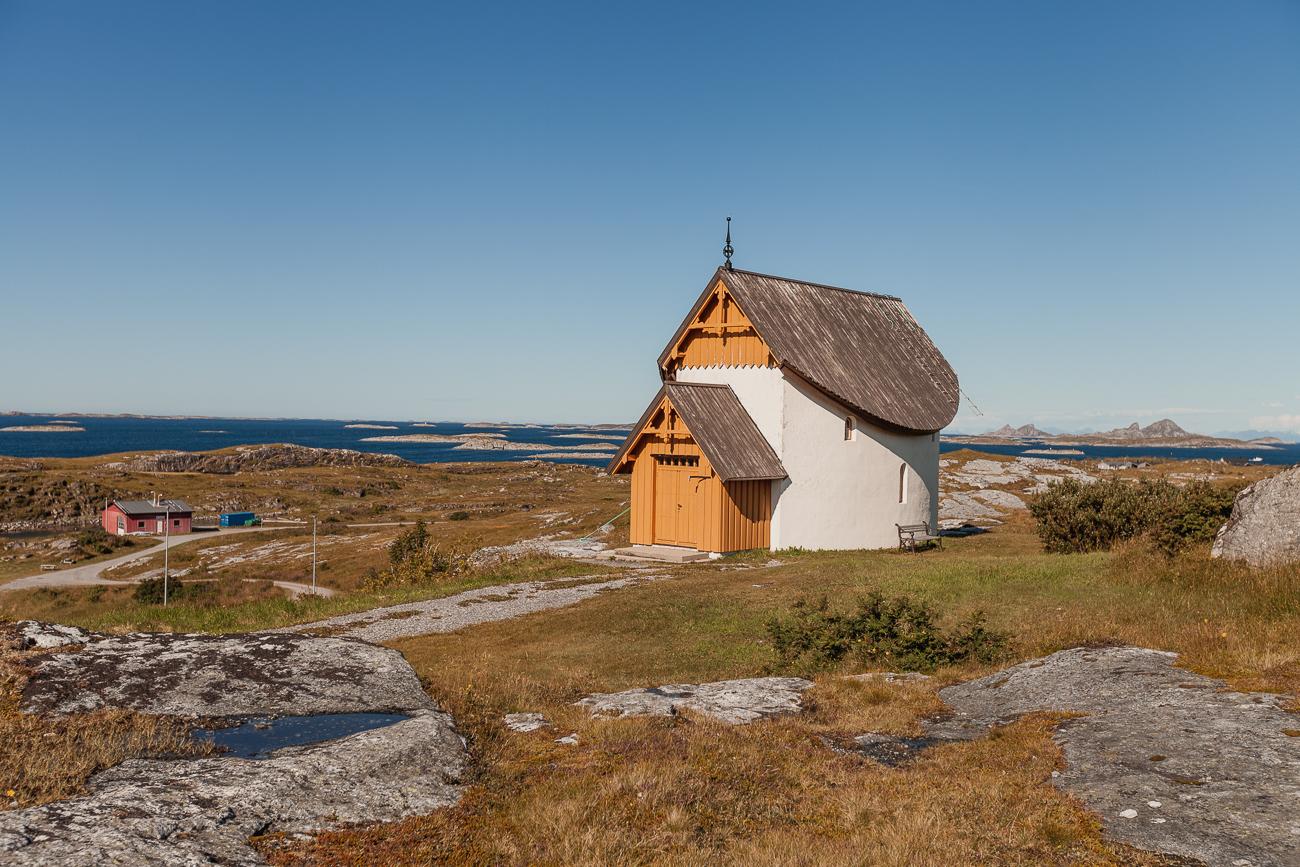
(483, 605)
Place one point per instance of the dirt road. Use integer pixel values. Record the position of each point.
(92, 573)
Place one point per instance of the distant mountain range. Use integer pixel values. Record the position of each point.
(1024, 432)
(1165, 432)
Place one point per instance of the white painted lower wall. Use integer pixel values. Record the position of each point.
(840, 494)
(845, 493)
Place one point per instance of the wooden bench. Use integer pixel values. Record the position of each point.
(910, 535)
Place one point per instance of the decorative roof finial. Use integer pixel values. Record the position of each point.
(728, 251)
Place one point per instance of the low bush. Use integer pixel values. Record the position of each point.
(458, 516)
(95, 540)
(407, 543)
(413, 558)
(196, 590)
(150, 591)
(1075, 517)
(899, 633)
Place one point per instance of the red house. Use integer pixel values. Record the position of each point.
(141, 517)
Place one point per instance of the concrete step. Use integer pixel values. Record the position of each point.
(664, 553)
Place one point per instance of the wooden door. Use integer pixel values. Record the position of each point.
(678, 515)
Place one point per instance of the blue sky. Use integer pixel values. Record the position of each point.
(459, 211)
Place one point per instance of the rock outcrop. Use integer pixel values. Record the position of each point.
(276, 456)
(1264, 528)
(221, 675)
(1172, 761)
(34, 635)
(731, 701)
(526, 722)
(974, 491)
(202, 811)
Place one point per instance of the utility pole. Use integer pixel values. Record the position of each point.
(167, 537)
(313, 552)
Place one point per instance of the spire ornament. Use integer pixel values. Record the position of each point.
(728, 251)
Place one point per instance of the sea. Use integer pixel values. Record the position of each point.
(115, 434)
(1287, 454)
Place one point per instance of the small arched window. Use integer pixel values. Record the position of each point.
(848, 428)
(902, 483)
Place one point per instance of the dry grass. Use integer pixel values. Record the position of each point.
(689, 791)
(48, 758)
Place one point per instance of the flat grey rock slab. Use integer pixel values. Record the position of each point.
(222, 675)
(730, 701)
(1001, 499)
(35, 635)
(982, 473)
(450, 613)
(959, 507)
(526, 722)
(1264, 528)
(890, 677)
(202, 811)
(1172, 761)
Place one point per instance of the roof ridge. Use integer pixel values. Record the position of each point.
(702, 384)
(812, 283)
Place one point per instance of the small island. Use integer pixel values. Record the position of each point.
(63, 427)
(432, 438)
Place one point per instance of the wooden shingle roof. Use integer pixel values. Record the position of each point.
(864, 350)
(721, 428)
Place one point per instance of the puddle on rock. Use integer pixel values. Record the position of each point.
(257, 738)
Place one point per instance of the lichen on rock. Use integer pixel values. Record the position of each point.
(731, 701)
(1264, 528)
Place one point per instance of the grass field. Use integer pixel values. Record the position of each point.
(689, 791)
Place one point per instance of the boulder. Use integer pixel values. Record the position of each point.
(731, 701)
(1264, 528)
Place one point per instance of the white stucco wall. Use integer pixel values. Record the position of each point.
(840, 494)
(844, 493)
(761, 391)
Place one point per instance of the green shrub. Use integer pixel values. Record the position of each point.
(95, 540)
(1074, 516)
(408, 542)
(1195, 515)
(150, 591)
(458, 516)
(414, 559)
(898, 633)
